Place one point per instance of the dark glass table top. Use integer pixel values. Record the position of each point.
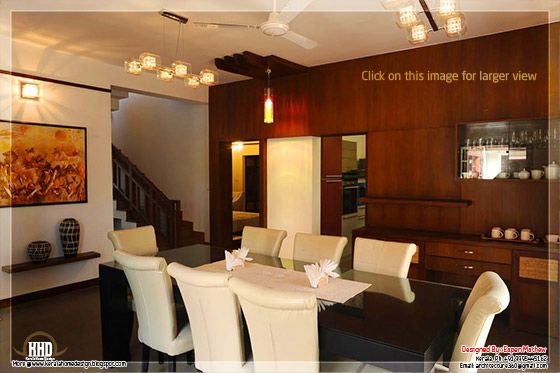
(404, 313)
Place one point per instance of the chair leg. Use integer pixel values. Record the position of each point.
(190, 357)
(160, 357)
(172, 363)
(145, 357)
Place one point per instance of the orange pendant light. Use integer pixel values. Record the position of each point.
(268, 102)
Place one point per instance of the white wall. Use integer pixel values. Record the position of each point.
(62, 104)
(294, 187)
(168, 141)
(78, 107)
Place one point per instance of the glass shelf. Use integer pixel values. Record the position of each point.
(500, 150)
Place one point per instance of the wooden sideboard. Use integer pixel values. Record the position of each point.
(530, 271)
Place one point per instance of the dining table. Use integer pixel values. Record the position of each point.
(398, 324)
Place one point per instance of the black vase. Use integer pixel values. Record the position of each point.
(39, 251)
(69, 231)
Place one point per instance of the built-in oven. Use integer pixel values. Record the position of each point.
(350, 195)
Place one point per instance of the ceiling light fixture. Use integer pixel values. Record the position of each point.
(407, 17)
(418, 34)
(455, 25)
(180, 69)
(268, 101)
(447, 8)
(237, 146)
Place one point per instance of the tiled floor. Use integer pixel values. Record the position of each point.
(73, 320)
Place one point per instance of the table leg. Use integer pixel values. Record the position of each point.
(116, 318)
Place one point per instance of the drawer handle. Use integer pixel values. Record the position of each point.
(468, 267)
(470, 252)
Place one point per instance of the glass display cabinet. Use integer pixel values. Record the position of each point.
(501, 150)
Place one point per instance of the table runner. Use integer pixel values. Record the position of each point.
(337, 290)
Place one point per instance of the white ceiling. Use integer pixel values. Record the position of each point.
(115, 36)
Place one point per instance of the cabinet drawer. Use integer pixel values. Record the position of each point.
(466, 267)
(538, 268)
(469, 252)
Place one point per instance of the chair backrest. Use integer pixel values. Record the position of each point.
(312, 248)
(153, 296)
(282, 326)
(262, 240)
(136, 241)
(488, 297)
(214, 316)
(384, 257)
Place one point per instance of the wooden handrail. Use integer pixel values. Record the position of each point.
(148, 204)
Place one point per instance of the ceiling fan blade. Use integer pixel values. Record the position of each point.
(300, 40)
(218, 25)
(292, 10)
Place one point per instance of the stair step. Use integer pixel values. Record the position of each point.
(188, 225)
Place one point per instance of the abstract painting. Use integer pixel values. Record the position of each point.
(42, 164)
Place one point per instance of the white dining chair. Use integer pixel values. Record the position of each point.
(489, 297)
(136, 241)
(282, 327)
(215, 319)
(312, 247)
(383, 257)
(262, 240)
(153, 294)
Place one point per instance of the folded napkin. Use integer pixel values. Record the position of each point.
(320, 273)
(237, 258)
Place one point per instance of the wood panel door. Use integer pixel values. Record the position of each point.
(331, 185)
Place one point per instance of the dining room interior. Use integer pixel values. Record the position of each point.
(280, 186)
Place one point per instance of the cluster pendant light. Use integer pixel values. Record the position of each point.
(179, 69)
(268, 101)
(408, 18)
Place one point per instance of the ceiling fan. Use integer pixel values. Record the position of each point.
(277, 24)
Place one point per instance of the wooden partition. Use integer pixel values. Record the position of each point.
(410, 126)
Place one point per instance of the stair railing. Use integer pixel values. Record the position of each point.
(148, 204)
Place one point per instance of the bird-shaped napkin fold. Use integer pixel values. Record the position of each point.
(237, 258)
(320, 273)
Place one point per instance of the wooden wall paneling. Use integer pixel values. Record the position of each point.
(332, 99)
(554, 69)
(523, 50)
(263, 185)
(413, 163)
(220, 195)
(220, 171)
(507, 203)
(331, 185)
(291, 108)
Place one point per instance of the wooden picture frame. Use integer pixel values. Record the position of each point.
(42, 164)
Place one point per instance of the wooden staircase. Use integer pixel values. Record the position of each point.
(145, 204)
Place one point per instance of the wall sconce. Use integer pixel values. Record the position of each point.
(29, 91)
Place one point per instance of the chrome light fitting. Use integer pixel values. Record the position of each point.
(408, 18)
(179, 69)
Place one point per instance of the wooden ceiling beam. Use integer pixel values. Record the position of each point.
(255, 66)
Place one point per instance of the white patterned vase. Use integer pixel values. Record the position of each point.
(69, 231)
(39, 251)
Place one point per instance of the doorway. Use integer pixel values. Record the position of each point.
(246, 187)
(343, 183)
